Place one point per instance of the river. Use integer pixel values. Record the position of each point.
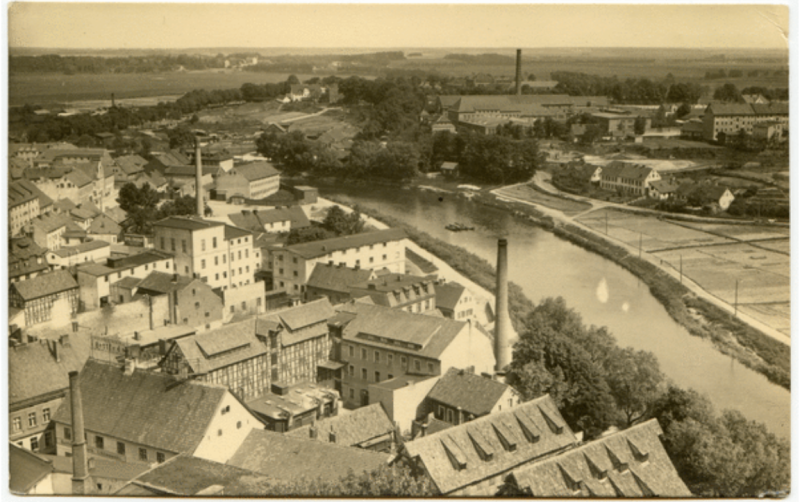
(603, 293)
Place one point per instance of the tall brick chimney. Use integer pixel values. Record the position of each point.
(502, 322)
(80, 465)
(518, 80)
(198, 180)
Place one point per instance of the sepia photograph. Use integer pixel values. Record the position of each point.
(373, 250)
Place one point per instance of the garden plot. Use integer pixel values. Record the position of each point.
(777, 315)
(655, 234)
(741, 232)
(779, 245)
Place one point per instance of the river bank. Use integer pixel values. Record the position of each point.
(701, 318)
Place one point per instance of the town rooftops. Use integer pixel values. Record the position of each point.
(145, 408)
(190, 171)
(42, 367)
(299, 399)
(254, 171)
(51, 222)
(472, 393)
(84, 247)
(627, 171)
(79, 178)
(131, 164)
(629, 463)
(23, 191)
(187, 223)
(771, 108)
(291, 459)
(221, 347)
(184, 475)
(422, 335)
(310, 250)
(26, 469)
(100, 467)
(256, 220)
(459, 456)
(300, 323)
(448, 295)
(664, 186)
(337, 277)
(102, 224)
(719, 108)
(232, 232)
(161, 282)
(354, 428)
(48, 284)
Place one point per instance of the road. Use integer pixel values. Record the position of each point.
(542, 181)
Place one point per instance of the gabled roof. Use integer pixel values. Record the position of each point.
(718, 108)
(664, 186)
(34, 371)
(84, 247)
(771, 108)
(425, 336)
(300, 323)
(453, 457)
(257, 220)
(45, 285)
(190, 171)
(64, 205)
(449, 294)
(103, 467)
(104, 225)
(221, 347)
(337, 277)
(164, 283)
(26, 469)
(22, 191)
(116, 213)
(150, 409)
(291, 459)
(185, 475)
(351, 429)
(79, 178)
(629, 463)
(425, 266)
(254, 171)
(472, 393)
(131, 164)
(626, 170)
(50, 222)
(187, 223)
(315, 249)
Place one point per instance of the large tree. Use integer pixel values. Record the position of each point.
(728, 93)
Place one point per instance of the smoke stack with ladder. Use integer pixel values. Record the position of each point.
(198, 187)
(80, 466)
(518, 80)
(502, 323)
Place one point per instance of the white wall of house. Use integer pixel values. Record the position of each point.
(227, 431)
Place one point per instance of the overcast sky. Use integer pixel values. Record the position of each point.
(186, 25)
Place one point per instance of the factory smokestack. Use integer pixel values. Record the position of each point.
(198, 180)
(502, 322)
(80, 464)
(519, 72)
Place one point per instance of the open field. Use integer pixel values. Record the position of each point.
(763, 276)
(777, 315)
(526, 192)
(655, 234)
(56, 88)
(741, 232)
(781, 246)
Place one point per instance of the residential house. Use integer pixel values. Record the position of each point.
(254, 180)
(454, 301)
(755, 99)
(368, 427)
(289, 407)
(291, 459)
(184, 178)
(26, 259)
(449, 169)
(104, 228)
(87, 252)
(704, 194)
(127, 166)
(192, 302)
(692, 129)
(663, 189)
(333, 281)
(381, 344)
(96, 280)
(143, 417)
(630, 463)
(472, 459)
(280, 219)
(43, 294)
(773, 130)
(292, 265)
(628, 178)
(187, 476)
(38, 379)
(47, 230)
(616, 124)
(461, 395)
(231, 355)
(28, 473)
(221, 255)
(303, 342)
(161, 161)
(443, 123)
(398, 291)
(154, 178)
(25, 202)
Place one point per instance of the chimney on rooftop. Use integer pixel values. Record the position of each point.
(198, 187)
(518, 80)
(56, 350)
(502, 323)
(80, 466)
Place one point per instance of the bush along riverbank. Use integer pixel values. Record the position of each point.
(700, 317)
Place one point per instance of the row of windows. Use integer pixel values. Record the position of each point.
(388, 358)
(32, 419)
(133, 270)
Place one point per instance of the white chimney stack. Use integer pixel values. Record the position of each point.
(502, 324)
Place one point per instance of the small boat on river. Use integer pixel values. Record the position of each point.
(458, 227)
